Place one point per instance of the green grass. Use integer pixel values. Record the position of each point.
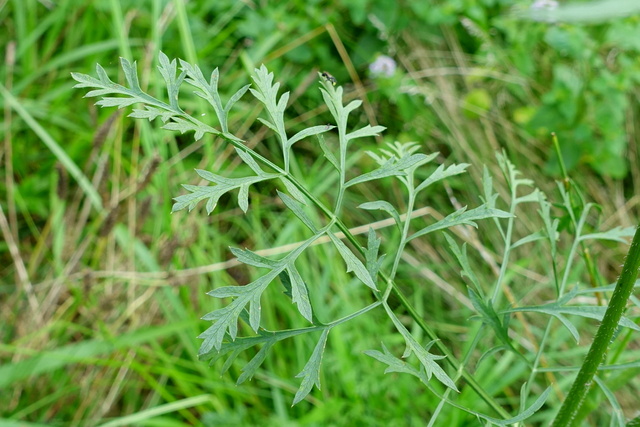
(95, 332)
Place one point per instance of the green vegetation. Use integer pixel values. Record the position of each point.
(103, 287)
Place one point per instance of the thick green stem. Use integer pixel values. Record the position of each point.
(597, 353)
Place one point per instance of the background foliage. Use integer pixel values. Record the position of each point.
(95, 330)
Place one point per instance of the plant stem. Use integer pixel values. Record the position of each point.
(567, 414)
(404, 302)
(405, 228)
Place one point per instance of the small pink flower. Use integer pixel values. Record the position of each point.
(544, 4)
(383, 66)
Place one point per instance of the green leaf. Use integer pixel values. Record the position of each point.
(371, 255)
(182, 126)
(328, 154)
(368, 130)
(383, 206)
(618, 418)
(511, 173)
(243, 343)
(353, 263)
(226, 318)
(293, 190)
(534, 237)
(617, 234)
(558, 311)
(131, 74)
(243, 197)
(207, 90)
(105, 86)
(250, 368)
(310, 374)
(117, 102)
(533, 196)
(441, 173)
(392, 167)
(267, 92)
(427, 360)
(294, 207)
(248, 257)
(461, 256)
(246, 157)
(268, 124)
(314, 130)
(168, 70)
(151, 113)
(490, 317)
(235, 98)
(299, 292)
(213, 193)
(396, 365)
(462, 217)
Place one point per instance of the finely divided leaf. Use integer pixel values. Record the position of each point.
(533, 196)
(327, 153)
(371, 255)
(250, 368)
(427, 360)
(299, 292)
(213, 193)
(368, 130)
(353, 263)
(310, 374)
(490, 317)
(395, 364)
(356, 103)
(617, 234)
(267, 92)
(383, 206)
(538, 235)
(315, 130)
(293, 190)
(151, 113)
(226, 319)
(511, 173)
(392, 167)
(243, 197)
(462, 217)
(248, 257)
(441, 173)
(461, 256)
(207, 90)
(246, 157)
(168, 70)
(294, 206)
(558, 311)
(182, 126)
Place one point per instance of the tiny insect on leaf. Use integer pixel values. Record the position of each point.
(328, 77)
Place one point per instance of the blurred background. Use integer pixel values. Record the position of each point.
(102, 288)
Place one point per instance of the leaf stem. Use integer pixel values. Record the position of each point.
(404, 302)
(597, 353)
(405, 228)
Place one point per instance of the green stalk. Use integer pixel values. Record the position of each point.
(405, 228)
(404, 302)
(597, 353)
